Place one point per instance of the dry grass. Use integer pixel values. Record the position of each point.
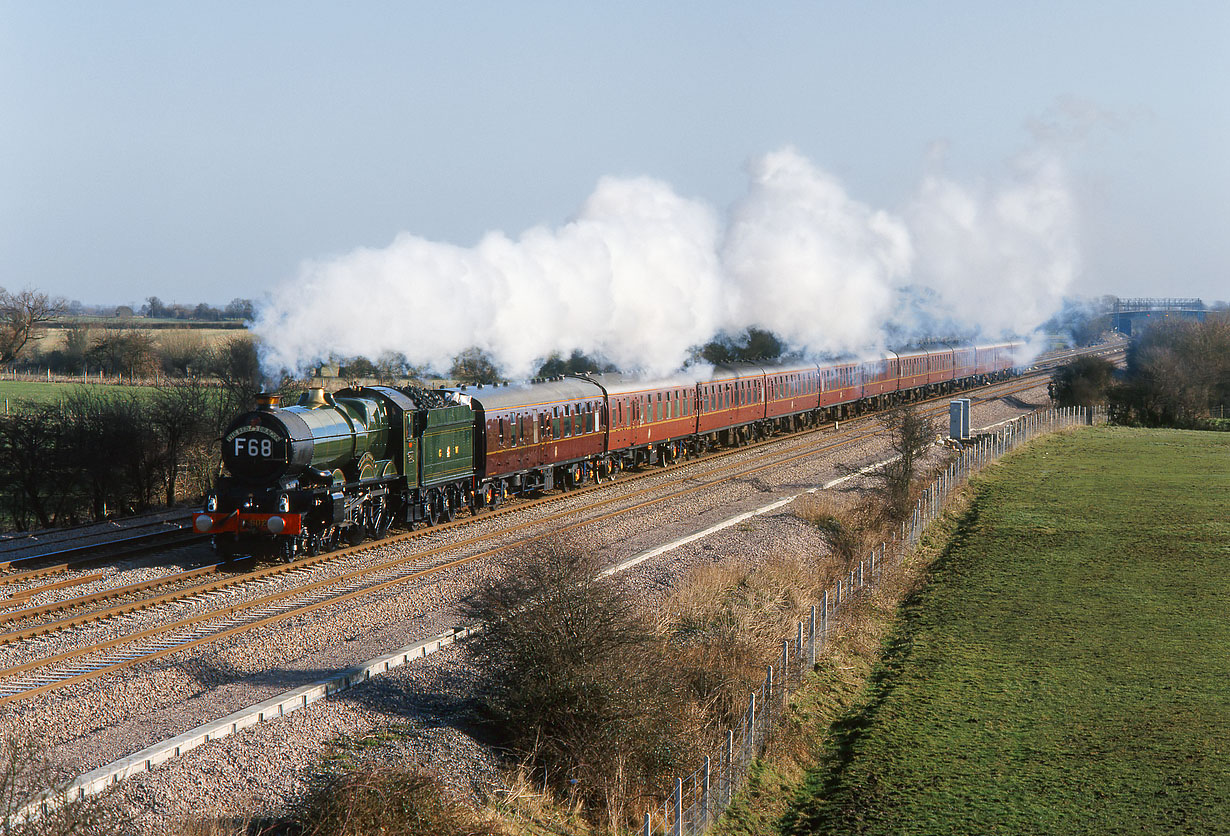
(54, 338)
(396, 802)
(849, 527)
(213, 827)
(727, 622)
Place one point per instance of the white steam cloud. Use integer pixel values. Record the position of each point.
(642, 275)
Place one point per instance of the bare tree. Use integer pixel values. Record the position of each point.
(35, 486)
(474, 366)
(909, 433)
(1176, 371)
(123, 350)
(182, 352)
(180, 413)
(577, 680)
(21, 316)
(237, 366)
(1082, 382)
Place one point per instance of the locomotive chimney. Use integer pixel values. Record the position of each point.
(268, 400)
(315, 396)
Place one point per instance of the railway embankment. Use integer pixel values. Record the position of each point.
(1058, 666)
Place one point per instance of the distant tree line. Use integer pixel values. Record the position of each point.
(236, 309)
(1177, 375)
(474, 365)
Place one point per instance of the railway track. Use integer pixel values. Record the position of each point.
(341, 576)
(25, 559)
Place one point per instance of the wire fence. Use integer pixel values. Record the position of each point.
(698, 799)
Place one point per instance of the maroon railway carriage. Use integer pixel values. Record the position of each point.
(994, 362)
(939, 369)
(648, 422)
(841, 386)
(880, 379)
(731, 399)
(964, 362)
(535, 436)
(912, 370)
(792, 394)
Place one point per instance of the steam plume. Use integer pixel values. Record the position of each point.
(642, 274)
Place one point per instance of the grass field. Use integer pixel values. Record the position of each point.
(1067, 669)
(14, 391)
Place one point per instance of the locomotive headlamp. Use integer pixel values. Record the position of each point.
(283, 503)
(211, 502)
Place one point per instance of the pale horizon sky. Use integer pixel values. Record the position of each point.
(205, 151)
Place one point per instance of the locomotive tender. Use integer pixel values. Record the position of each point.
(345, 467)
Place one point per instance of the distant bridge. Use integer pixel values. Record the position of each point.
(1131, 315)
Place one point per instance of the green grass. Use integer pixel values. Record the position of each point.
(35, 392)
(1067, 668)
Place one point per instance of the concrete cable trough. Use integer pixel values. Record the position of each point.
(104, 777)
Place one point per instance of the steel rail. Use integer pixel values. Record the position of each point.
(166, 529)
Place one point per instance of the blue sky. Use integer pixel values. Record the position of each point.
(204, 151)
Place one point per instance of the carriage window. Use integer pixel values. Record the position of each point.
(567, 422)
(501, 432)
(589, 418)
(555, 426)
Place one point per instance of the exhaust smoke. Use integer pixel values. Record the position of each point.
(642, 275)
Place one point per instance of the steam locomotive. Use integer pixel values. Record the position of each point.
(341, 468)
